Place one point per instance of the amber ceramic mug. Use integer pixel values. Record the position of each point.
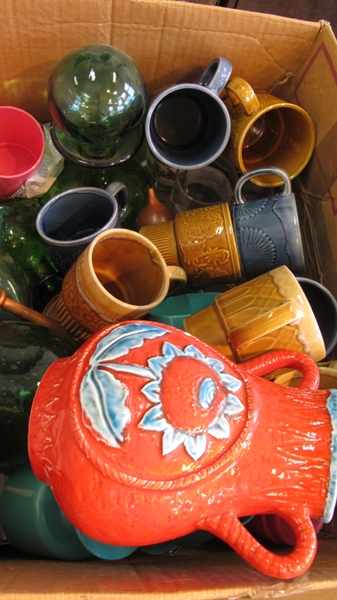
(270, 312)
(120, 275)
(202, 241)
(268, 131)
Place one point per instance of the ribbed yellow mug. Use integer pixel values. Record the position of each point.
(270, 312)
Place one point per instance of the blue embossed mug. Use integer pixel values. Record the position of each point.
(267, 229)
(188, 125)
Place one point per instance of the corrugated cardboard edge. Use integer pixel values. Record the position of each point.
(162, 36)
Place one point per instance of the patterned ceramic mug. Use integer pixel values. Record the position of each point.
(270, 312)
(201, 240)
(121, 274)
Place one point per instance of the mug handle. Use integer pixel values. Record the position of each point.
(238, 198)
(216, 75)
(230, 529)
(176, 274)
(120, 192)
(280, 359)
(242, 94)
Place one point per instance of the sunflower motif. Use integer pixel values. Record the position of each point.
(154, 419)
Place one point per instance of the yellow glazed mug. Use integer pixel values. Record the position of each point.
(201, 240)
(268, 131)
(120, 275)
(270, 312)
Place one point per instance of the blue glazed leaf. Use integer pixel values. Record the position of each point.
(231, 383)
(103, 399)
(170, 351)
(233, 406)
(172, 438)
(193, 351)
(216, 364)
(157, 364)
(133, 369)
(152, 391)
(196, 445)
(207, 392)
(123, 339)
(154, 420)
(220, 428)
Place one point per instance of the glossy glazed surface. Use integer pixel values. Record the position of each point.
(97, 101)
(270, 312)
(204, 241)
(165, 436)
(121, 274)
(269, 132)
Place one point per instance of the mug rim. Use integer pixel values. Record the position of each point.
(154, 104)
(79, 241)
(332, 300)
(138, 237)
(278, 104)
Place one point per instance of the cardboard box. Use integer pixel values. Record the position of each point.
(295, 59)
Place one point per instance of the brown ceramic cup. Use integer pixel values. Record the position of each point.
(202, 241)
(270, 312)
(120, 275)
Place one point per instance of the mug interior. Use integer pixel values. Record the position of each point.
(128, 270)
(205, 186)
(188, 126)
(324, 307)
(280, 137)
(77, 215)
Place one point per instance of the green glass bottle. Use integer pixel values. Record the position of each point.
(26, 351)
(19, 239)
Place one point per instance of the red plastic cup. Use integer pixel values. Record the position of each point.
(21, 148)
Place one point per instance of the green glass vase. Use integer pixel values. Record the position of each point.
(97, 102)
(26, 351)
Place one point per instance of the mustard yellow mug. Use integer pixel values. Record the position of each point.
(270, 312)
(268, 132)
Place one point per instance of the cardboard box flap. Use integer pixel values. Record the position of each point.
(162, 36)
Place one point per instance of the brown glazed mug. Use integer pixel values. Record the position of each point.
(202, 241)
(268, 132)
(120, 275)
(270, 312)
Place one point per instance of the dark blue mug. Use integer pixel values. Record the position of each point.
(267, 229)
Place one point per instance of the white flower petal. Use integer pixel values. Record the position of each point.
(232, 383)
(195, 446)
(172, 438)
(233, 405)
(153, 420)
(157, 364)
(220, 428)
(170, 351)
(216, 364)
(207, 392)
(193, 351)
(152, 391)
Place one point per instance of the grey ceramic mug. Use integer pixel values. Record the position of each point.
(71, 220)
(188, 125)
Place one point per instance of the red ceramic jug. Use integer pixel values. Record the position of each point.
(147, 434)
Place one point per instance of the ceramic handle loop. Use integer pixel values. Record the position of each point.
(242, 94)
(275, 171)
(216, 75)
(280, 359)
(298, 561)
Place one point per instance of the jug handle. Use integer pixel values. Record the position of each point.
(242, 94)
(120, 192)
(216, 75)
(280, 359)
(230, 529)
